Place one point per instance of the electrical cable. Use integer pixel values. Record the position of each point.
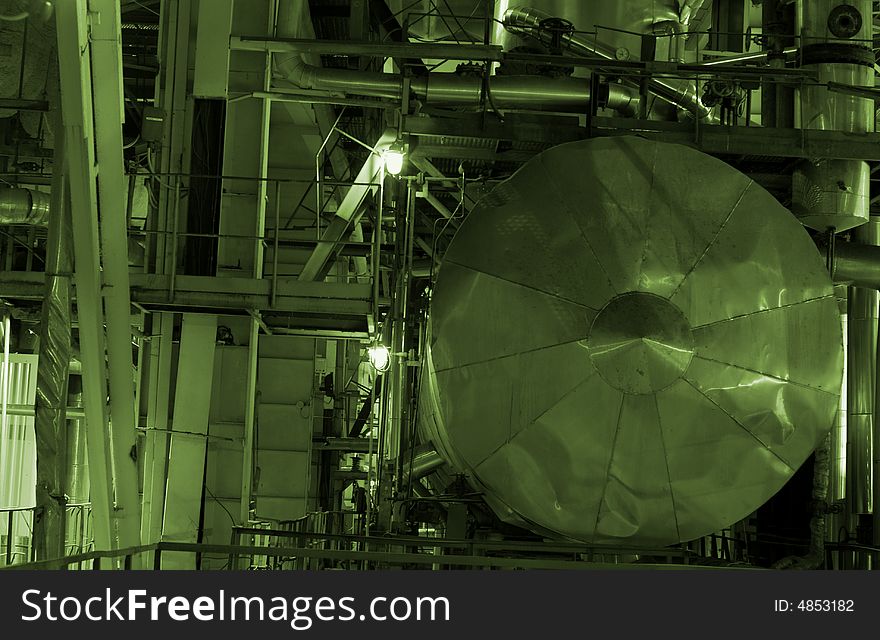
(222, 506)
(24, 15)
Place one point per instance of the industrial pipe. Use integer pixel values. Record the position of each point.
(862, 321)
(452, 89)
(525, 21)
(420, 461)
(856, 264)
(24, 206)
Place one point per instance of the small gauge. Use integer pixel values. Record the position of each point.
(622, 53)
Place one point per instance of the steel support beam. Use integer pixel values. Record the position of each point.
(105, 40)
(209, 294)
(370, 49)
(350, 209)
(78, 121)
(189, 436)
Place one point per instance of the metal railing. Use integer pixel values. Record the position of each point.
(396, 557)
(16, 533)
(16, 529)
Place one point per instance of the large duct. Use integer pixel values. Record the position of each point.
(24, 206)
(630, 342)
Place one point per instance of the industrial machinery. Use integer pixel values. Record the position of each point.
(631, 342)
(501, 282)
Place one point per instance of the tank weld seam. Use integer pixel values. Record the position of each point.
(740, 316)
(511, 355)
(714, 239)
(608, 468)
(741, 425)
(767, 375)
(520, 284)
(534, 420)
(666, 462)
(570, 210)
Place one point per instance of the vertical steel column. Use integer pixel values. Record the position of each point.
(106, 44)
(76, 104)
(156, 441)
(50, 425)
(189, 436)
(247, 465)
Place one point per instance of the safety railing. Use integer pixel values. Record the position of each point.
(406, 550)
(16, 533)
(394, 556)
(16, 529)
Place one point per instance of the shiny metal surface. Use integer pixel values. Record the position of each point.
(615, 23)
(507, 92)
(23, 206)
(523, 22)
(812, 22)
(640, 343)
(857, 264)
(630, 341)
(833, 193)
(863, 311)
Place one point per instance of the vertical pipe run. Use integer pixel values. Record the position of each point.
(861, 356)
(50, 425)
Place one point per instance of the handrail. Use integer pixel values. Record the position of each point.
(340, 555)
(550, 547)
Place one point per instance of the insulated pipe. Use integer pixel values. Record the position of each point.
(504, 92)
(856, 264)
(55, 351)
(24, 206)
(420, 461)
(526, 21)
(861, 357)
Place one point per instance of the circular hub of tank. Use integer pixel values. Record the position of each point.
(640, 343)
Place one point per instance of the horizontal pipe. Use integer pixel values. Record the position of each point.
(24, 206)
(755, 56)
(856, 264)
(451, 89)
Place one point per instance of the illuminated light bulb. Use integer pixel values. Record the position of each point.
(393, 160)
(380, 357)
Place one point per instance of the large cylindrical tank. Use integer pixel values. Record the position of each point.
(630, 342)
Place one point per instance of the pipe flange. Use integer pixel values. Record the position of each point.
(844, 21)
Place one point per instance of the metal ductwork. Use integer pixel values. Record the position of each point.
(527, 22)
(675, 354)
(24, 206)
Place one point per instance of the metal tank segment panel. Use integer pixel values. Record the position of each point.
(631, 342)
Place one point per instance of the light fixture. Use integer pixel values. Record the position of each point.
(380, 357)
(393, 157)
